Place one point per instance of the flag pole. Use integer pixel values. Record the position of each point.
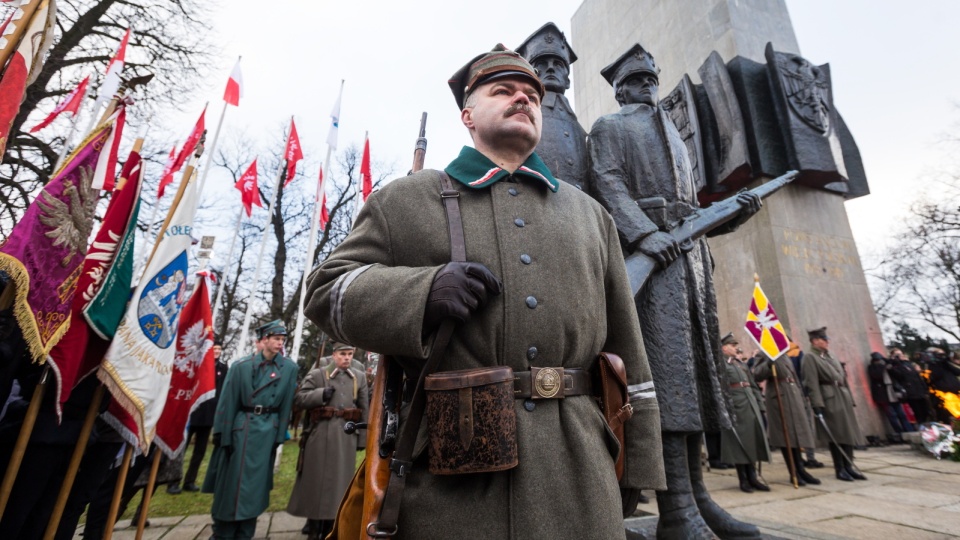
(26, 429)
(9, 43)
(73, 130)
(245, 331)
(148, 493)
(118, 492)
(213, 146)
(223, 280)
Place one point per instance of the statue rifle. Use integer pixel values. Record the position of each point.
(690, 228)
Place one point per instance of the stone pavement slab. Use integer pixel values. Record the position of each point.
(868, 529)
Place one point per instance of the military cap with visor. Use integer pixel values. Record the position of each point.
(635, 61)
(338, 346)
(729, 340)
(819, 333)
(547, 41)
(272, 328)
(499, 63)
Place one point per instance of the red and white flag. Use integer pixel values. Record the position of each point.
(106, 171)
(249, 193)
(234, 90)
(193, 380)
(293, 153)
(111, 81)
(167, 177)
(70, 104)
(366, 179)
(192, 140)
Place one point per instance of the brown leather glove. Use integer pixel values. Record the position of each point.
(458, 289)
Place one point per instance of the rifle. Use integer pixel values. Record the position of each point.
(696, 225)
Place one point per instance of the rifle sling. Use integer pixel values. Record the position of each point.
(402, 461)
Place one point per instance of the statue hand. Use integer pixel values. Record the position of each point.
(661, 247)
(750, 204)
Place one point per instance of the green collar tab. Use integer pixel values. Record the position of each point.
(475, 170)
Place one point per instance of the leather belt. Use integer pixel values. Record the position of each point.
(739, 385)
(259, 409)
(545, 383)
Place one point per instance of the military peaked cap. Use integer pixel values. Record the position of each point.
(272, 328)
(819, 333)
(729, 340)
(342, 347)
(498, 63)
(547, 41)
(635, 60)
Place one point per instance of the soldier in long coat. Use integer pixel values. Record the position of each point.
(250, 423)
(551, 252)
(746, 442)
(563, 142)
(640, 172)
(330, 396)
(790, 430)
(826, 381)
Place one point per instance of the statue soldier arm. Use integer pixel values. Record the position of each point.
(609, 182)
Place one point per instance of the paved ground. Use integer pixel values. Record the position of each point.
(909, 495)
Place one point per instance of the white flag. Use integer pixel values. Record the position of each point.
(137, 367)
(335, 121)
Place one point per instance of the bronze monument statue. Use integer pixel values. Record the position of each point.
(640, 171)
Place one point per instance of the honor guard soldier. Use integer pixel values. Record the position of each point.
(330, 396)
(746, 443)
(563, 141)
(544, 292)
(826, 381)
(250, 423)
(788, 422)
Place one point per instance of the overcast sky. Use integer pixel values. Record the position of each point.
(893, 64)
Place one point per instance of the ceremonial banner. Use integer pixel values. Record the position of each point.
(249, 193)
(293, 153)
(764, 326)
(45, 251)
(70, 104)
(139, 363)
(191, 143)
(166, 178)
(193, 380)
(80, 350)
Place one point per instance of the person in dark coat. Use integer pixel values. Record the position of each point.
(944, 377)
(886, 394)
(200, 424)
(249, 425)
(641, 173)
(826, 381)
(916, 395)
(745, 443)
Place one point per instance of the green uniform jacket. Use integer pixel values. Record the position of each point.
(329, 455)
(566, 298)
(826, 383)
(748, 407)
(794, 404)
(240, 474)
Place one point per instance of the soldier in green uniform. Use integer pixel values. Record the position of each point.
(826, 381)
(789, 431)
(331, 396)
(746, 443)
(250, 423)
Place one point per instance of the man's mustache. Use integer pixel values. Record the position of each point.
(519, 108)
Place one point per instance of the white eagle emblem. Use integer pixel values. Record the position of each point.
(193, 347)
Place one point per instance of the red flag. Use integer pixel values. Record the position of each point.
(106, 171)
(293, 153)
(247, 184)
(367, 178)
(111, 80)
(70, 104)
(167, 178)
(191, 144)
(324, 215)
(80, 351)
(193, 380)
(234, 90)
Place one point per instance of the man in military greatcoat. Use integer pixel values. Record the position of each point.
(330, 396)
(788, 422)
(541, 291)
(563, 141)
(746, 443)
(640, 172)
(250, 423)
(825, 378)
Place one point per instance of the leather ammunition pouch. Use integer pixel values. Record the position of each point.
(612, 379)
(472, 421)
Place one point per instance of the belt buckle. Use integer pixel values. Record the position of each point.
(258, 410)
(547, 383)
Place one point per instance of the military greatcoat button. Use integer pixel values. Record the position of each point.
(531, 302)
(529, 405)
(525, 259)
(519, 222)
(513, 191)
(531, 353)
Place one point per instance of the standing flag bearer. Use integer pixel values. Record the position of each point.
(231, 96)
(249, 196)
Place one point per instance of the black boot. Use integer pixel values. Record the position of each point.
(848, 465)
(679, 516)
(839, 465)
(313, 530)
(721, 523)
(796, 464)
(802, 473)
(751, 473)
(742, 476)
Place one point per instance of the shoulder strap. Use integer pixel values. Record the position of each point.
(402, 461)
